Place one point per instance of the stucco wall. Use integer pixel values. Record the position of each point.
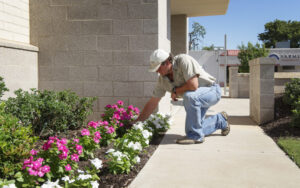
(97, 48)
(14, 20)
(18, 66)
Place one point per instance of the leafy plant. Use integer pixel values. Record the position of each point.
(292, 97)
(292, 92)
(296, 113)
(198, 31)
(280, 30)
(2, 87)
(16, 142)
(50, 112)
(248, 53)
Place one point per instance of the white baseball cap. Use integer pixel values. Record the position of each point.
(156, 58)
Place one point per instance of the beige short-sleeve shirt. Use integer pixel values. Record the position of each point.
(184, 68)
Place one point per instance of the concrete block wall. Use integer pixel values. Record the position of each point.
(179, 34)
(281, 78)
(97, 47)
(238, 83)
(262, 89)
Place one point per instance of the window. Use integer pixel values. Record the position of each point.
(288, 67)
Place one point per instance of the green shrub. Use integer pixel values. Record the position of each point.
(296, 114)
(2, 87)
(16, 142)
(292, 92)
(50, 112)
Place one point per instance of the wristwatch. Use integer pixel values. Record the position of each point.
(174, 90)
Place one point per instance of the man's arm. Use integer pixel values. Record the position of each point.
(148, 109)
(191, 85)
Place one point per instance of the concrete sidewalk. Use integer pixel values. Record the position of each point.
(244, 158)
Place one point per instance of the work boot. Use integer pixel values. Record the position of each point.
(225, 131)
(187, 140)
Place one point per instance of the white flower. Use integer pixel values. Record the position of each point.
(94, 184)
(138, 126)
(146, 134)
(110, 150)
(119, 155)
(97, 163)
(135, 146)
(126, 140)
(10, 186)
(157, 124)
(50, 184)
(135, 117)
(67, 179)
(80, 171)
(137, 159)
(147, 142)
(162, 114)
(84, 177)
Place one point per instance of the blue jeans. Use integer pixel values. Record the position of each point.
(196, 104)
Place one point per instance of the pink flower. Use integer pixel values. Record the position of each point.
(93, 124)
(97, 134)
(130, 107)
(136, 110)
(105, 123)
(120, 102)
(116, 116)
(36, 165)
(110, 130)
(122, 110)
(121, 124)
(78, 148)
(75, 157)
(85, 132)
(114, 106)
(63, 155)
(68, 167)
(108, 106)
(33, 152)
(45, 169)
(32, 172)
(40, 173)
(76, 140)
(64, 141)
(96, 140)
(40, 160)
(102, 115)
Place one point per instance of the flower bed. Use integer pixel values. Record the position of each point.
(76, 160)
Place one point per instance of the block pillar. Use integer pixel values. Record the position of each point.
(233, 82)
(179, 31)
(262, 90)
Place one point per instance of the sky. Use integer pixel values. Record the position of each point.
(244, 20)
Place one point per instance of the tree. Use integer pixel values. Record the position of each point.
(248, 53)
(209, 48)
(278, 31)
(195, 35)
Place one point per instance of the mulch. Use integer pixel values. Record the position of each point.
(281, 126)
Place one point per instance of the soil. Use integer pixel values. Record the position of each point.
(281, 126)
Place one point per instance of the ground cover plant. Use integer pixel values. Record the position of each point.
(285, 129)
(76, 160)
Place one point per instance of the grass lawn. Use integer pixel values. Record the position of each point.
(292, 147)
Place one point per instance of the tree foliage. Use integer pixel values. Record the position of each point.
(195, 35)
(248, 53)
(278, 31)
(209, 48)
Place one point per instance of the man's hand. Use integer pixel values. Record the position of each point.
(174, 96)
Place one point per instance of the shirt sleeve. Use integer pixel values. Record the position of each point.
(189, 67)
(158, 91)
